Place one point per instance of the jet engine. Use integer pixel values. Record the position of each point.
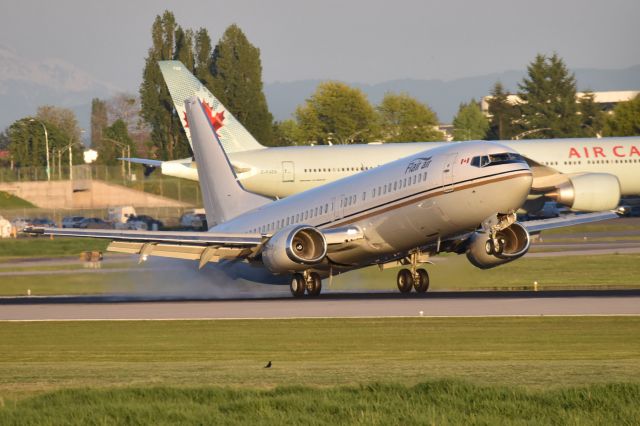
(513, 242)
(590, 192)
(294, 248)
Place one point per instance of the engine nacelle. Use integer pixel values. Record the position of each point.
(514, 240)
(590, 192)
(294, 248)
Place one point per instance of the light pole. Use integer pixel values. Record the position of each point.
(60, 151)
(46, 144)
(122, 147)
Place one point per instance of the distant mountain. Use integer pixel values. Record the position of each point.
(26, 84)
(444, 97)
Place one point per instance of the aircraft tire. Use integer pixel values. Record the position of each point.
(297, 285)
(421, 285)
(404, 281)
(314, 284)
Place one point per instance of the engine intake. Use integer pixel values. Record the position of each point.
(514, 242)
(294, 248)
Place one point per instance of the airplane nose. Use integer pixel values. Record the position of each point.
(520, 189)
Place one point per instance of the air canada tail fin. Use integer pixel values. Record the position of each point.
(183, 85)
(223, 195)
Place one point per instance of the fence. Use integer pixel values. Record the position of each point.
(170, 216)
(178, 189)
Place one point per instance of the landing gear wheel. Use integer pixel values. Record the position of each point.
(297, 285)
(314, 284)
(404, 281)
(496, 248)
(422, 283)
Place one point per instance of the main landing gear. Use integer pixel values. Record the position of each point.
(418, 280)
(308, 281)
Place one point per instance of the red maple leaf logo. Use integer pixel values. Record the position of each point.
(215, 120)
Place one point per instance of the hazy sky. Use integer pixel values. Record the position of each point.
(356, 41)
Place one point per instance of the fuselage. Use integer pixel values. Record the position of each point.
(404, 204)
(283, 171)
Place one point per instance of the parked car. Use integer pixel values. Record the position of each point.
(194, 221)
(94, 223)
(43, 222)
(150, 222)
(71, 221)
(20, 223)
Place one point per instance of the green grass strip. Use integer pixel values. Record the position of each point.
(440, 402)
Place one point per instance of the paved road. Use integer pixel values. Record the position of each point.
(335, 305)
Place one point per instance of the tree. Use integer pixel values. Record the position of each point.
(237, 82)
(4, 140)
(27, 144)
(405, 119)
(549, 108)
(470, 123)
(591, 116)
(504, 115)
(286, 133)
(63, 119)
(167, 138)
(115, 140)
(337, 113)
(625, 120)
(184, 47)
(203, 59)
(99, 121)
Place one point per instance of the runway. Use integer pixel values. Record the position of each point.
(330, 305)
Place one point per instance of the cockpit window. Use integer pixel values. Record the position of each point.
(496, 159)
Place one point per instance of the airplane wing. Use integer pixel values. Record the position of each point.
(202, 246)
(534, 226)
(143, 161)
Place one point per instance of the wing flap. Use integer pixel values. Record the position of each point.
(570, 220)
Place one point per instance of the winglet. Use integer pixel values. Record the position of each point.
(183, 85)
(223, 195)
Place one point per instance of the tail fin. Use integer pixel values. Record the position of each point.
(184, 85)
(224, 197)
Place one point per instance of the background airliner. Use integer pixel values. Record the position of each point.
(583, 174)
(398, 213)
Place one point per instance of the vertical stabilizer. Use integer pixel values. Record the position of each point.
(223, 195)
(184, 85)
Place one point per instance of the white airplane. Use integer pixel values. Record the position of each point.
(585, 174)
(396, 214)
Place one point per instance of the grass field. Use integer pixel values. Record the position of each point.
(440, 402)
(455, 272)
(449, 273)
(44, 247)
(8, 201)
(578, 370)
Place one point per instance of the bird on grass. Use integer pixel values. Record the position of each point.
(268, 365)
